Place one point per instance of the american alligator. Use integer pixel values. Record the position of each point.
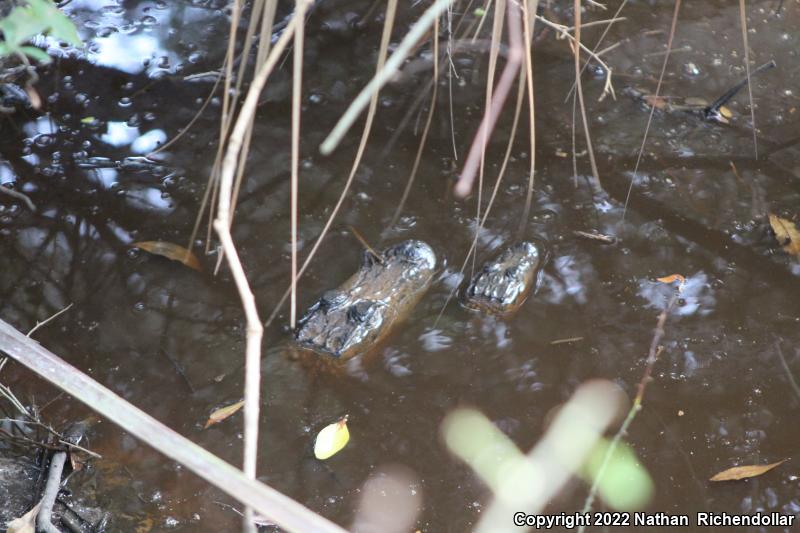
(713, 112)
(504, 281)
(359, 313)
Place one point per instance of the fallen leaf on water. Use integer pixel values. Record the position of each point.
(671, 279)
(659, 102)
(222, 413)
(744, 472)
(170, 251)
(786, 233)
(25, 523)
(331, 439)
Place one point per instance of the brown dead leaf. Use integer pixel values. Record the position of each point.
(25, 523)
(745, 472)
(786, 233)
(671, 279)
(170, 251)
(222, 413)
(659, 102)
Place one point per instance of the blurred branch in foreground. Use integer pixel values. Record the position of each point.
(528, 483)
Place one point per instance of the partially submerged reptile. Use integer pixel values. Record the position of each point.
(699, 107)
(357, 315)
(505, 281)
(360, 312)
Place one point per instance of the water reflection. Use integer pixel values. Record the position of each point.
(696, 295)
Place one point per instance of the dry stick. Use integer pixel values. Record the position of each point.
(48, 319)
(528, 12)
(451, 70)
(222, 226)
(743, 19)
(579, 88)
(297, 84)
(367, 94)
(360, 238)
(464, 185)
(497, 35)
(263, 49)
(188, 126)
(485, 15)
(284, 511)
(51, 489)
(673, 25)
(418, 158)
(611, 22)
(391, 9)
(500, 174)
(608, 87)
(269, 11)
(652, 357)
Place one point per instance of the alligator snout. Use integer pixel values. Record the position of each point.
(355, 316)
(504, 281)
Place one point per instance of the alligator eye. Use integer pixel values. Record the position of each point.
(359, 311)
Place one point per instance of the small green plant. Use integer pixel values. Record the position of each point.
(35, 17)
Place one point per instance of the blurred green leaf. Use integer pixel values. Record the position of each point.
(625, 485)
(36, 17)
(59, 25)
(35, 53)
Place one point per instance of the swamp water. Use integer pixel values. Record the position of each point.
(171, 340)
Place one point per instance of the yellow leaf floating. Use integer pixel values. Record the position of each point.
(671, 279)
(222, 413)
(744, 472)
(331, 439)
(786, 233)
(170, 251)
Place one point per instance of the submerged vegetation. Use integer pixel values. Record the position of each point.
(558, 235)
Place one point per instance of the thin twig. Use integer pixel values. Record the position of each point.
(743, 20)
(417, 31)
(652, 357)
(611, 22)
(297, 85)
(46, 320)
(579, 89)
(365, 244)
(426, 129)
(388, 24)
(673, 25)
(608, 87)
(464, 185)
(528, 20)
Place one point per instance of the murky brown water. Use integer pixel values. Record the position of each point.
(171, 340)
